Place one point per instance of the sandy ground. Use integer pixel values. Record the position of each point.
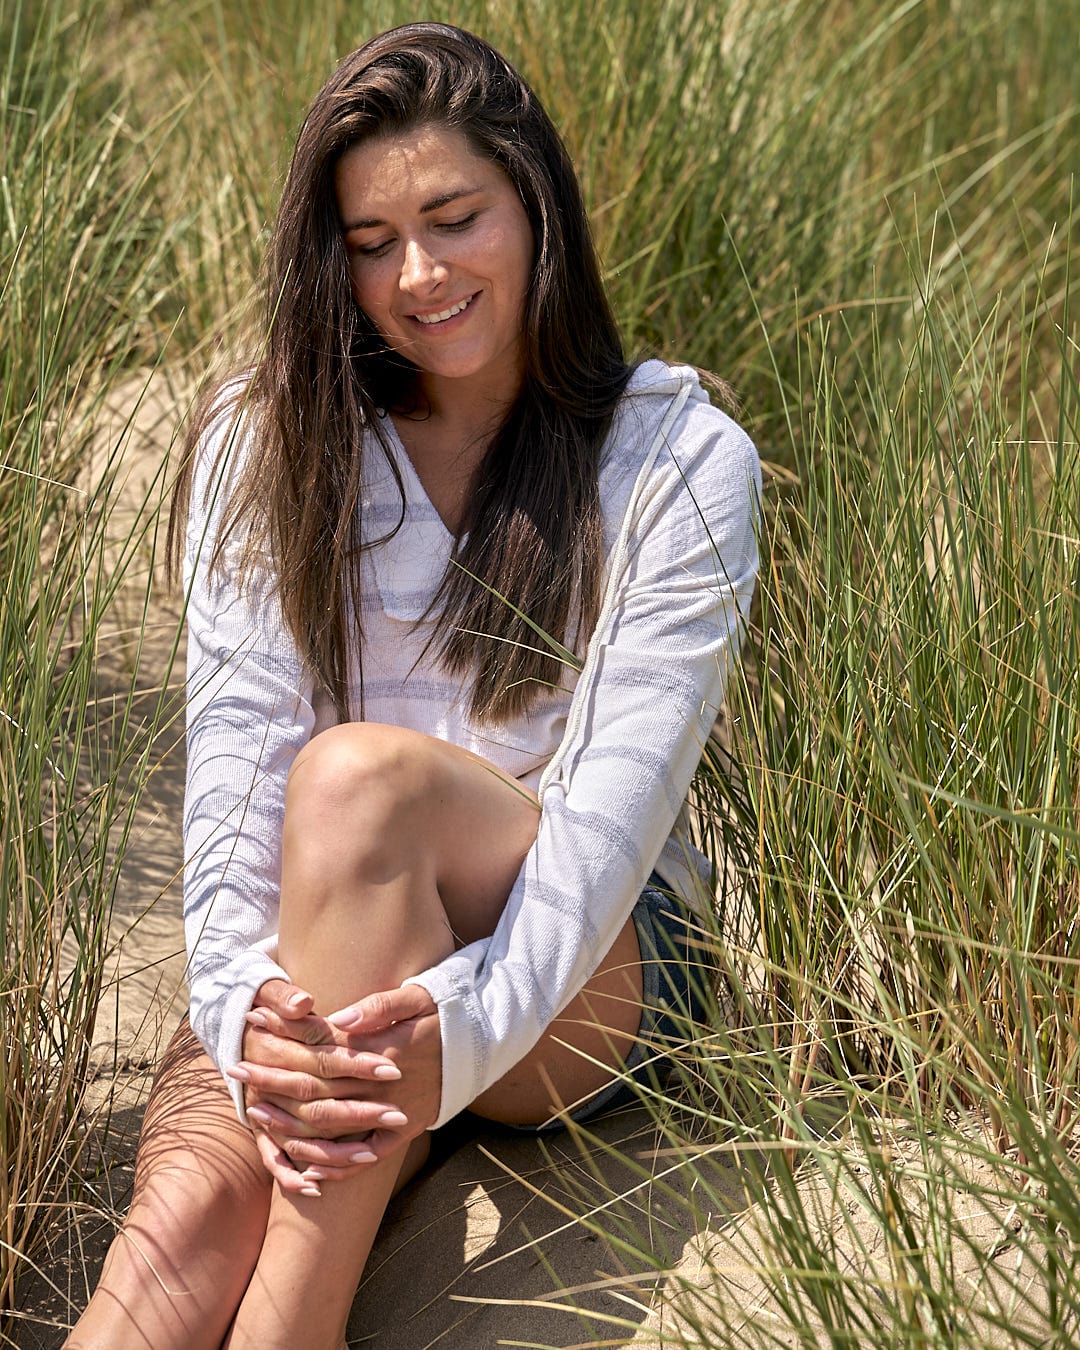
(487, 1247)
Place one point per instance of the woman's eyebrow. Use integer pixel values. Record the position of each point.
(433, 204)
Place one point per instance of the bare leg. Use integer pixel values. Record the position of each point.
(396, 845)
(392, 840)
(376, 828)
(177, 1270)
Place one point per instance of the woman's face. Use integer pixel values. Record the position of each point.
(440, 255)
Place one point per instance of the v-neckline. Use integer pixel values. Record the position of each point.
(409, 470)
(410, 561)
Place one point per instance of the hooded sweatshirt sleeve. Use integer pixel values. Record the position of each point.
(249, 711)
(680, 577)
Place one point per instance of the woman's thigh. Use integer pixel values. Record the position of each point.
(587, 1043)
(583, 1048)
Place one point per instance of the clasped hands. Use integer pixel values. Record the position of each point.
(328, 1096)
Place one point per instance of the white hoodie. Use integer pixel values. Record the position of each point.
(611, 753)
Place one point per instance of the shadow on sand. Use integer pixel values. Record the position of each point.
(480, 1250)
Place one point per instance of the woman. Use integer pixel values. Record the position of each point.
(464, 591)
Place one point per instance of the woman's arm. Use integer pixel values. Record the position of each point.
(249, 711)
(644, 706)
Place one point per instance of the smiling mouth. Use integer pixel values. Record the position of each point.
(443, 315)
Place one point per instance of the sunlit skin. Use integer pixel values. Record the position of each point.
(429, 226)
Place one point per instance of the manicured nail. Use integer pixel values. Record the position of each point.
(259, 1115)
(313, 1174)
(294, 1000)
(393, 1118)
(346, 1018)
(255, 1018)
(363, 1155)
(312, 1192)
(387, 1071)
(239, 1073)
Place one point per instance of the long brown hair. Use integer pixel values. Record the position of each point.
(533, 524)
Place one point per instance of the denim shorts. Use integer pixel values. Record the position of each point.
(673, 976)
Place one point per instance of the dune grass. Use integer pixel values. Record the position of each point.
(898, 1064)
(80, 257)
(858, 214)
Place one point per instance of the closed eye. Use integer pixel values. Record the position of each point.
(446, 226)
(461, 224)
(371, 250)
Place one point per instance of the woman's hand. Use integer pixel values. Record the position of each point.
(317, 1087)
(281, 1033)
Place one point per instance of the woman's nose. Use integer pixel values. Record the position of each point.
(420, 269)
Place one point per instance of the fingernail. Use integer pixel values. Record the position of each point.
(313, 1174)
(239, 1073)
(387, 1071)
(312, 1192)
(347, 1017)
(294, 1000)
(393, 1118)
(255, 1018)
(363, 1155)
(259, 1115)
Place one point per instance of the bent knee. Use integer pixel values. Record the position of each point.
(356, 795)
(353, 768)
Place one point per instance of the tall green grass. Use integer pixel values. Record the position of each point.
(860, 215)
(875, 1141)
(740, 160)
(79, 253)
(902, 962)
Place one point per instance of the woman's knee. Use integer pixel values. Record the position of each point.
(178, 1267)
(195, 1205)
(355, 796)
(352, 766)
(192, 1146)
